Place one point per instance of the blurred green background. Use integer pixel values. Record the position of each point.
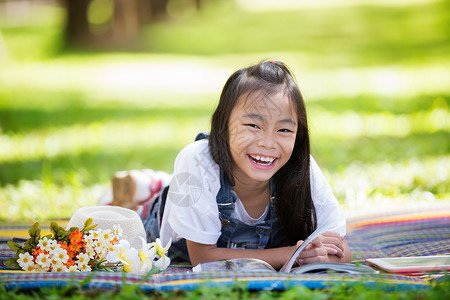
(91, 87)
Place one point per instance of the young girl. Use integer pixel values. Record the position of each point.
(250, 189)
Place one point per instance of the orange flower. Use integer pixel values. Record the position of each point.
(76, 237)
(70, 262)
(38, 251)
(115, 240)
(75, 248)
(71, 252)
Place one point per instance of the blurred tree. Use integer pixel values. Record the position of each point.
(3, 51)
(159, 9)
(109, 22)
(77, 26)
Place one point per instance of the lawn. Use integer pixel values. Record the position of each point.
(375, 77)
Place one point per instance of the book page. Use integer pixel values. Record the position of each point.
(319, 230)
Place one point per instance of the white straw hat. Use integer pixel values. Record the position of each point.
(107, 216)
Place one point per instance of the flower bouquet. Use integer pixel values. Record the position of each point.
(86, 249)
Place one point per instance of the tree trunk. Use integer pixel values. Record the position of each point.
(159, 9)
(198, 4)
(77, 26)
(126, 21)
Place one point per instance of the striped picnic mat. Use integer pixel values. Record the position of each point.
(393, 236)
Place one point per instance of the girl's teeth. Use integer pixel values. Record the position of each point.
(262, 160)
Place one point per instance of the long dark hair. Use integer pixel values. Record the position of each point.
(295, 208)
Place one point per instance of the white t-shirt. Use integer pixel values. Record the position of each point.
(191, 210)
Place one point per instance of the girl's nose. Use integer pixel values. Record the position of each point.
(266, 140)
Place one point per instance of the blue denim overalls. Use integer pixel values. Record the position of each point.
(235, 234)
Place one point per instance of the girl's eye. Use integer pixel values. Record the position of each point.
(285, 130)
(252, 125)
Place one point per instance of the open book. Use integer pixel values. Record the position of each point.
(253, 264)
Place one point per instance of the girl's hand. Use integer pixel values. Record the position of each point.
(314, 252)
(323, 249)
(334, 243)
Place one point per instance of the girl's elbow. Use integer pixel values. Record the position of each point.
(200, 253)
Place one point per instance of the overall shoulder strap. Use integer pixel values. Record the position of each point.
(226, 199)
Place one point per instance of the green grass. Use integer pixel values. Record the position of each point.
(436, 291)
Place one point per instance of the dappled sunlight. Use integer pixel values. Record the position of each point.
(184, 77)
(50, 142)
(142, 78)
(406, 183)
(380, 81)
(353, 124)
(37, 200)
(265, 5)
(117, 136)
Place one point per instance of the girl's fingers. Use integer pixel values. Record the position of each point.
(313, 251)
(331, 250)
(333, 238)
(310, 260)
(319, 249)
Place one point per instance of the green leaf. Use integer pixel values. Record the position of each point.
(11, 263)
(72, 229)
(88, 226)
(29, 245)
(54, 228)
(87, 223)
(14, 246)
(59, 233)
(21, 251)
(35, 233)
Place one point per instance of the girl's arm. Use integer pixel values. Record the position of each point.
(276, 257)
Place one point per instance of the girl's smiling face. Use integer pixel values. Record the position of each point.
(262, 130)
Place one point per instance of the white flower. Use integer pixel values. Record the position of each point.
(59, 267)
(101, 253)
(25, 260)
(94, 234)
(43, 260)
(101, 246)
(53, 260)
(38, 268)
(73, 269)
(125, 254)
(45, 244)
(88, 238)
(30, 268)
(119, 252)
(90, 252)
(117, 231)
(106, 236)
(60, 255)
(131, 263)
(163, 261)
(82, 259)
(147, 255)
(53, 245)
(110, 248)
(85, 268)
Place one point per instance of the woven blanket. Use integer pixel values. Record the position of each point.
(393, 236)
